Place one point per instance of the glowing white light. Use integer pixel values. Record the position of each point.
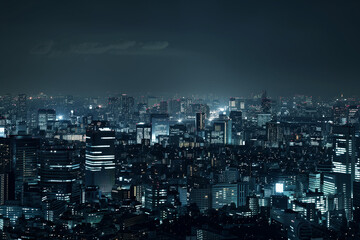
(221, 109)
(180, 120)
(279, 187)
(61, 117)
(90, 107)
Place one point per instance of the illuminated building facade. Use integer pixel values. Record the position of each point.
(100, 156)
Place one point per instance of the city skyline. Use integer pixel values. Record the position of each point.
(179, 120)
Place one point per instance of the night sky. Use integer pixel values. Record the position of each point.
(226, 47)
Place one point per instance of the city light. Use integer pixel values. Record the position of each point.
(279, 187)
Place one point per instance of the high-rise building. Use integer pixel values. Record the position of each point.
(127, 107)
(60, 173)
(143, 133)
(24, 154)
(353, 115)
(200, 121)
(155, 195)
(344, 152)
(100, 156)
(265, 103)
(22, 108)
(152, 101)
(315, 182)
(221, 131)
(340, 185)
(274, 133)
(46, 117)
(174, 106)
(201, 197)
(225, 194)
(236, 125)
(6, 176)
(163, 108)
(340, 113)
(233, 104)
(176, 134)
(159, 126)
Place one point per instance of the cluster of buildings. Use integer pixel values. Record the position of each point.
(148, 167)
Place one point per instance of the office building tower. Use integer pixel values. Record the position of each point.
(315, 182)
(265, 103)
(152, 101)
(22, 108)
(200, 121)
(174, 106)
(155, 195)
(275, 133)
(126, 107)
(59, 173)
(163, 108)
(340, 185)
(236, 126)
(201, 197)
(340, 113)
(143, 133)
(100, 156)
(227, 194)
(46, 118)
(6, 176)
(253, 204)
(221, 130)
(243, 188)
(344, 157)
(353, 114)
(159, 126)
(114, 109)
(24, 157)
(176, 134)
(233, 104)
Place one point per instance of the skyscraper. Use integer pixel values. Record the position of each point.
(21, 108)
(159, 126)
(6, 177)
(163, 108)
(100, 156)
(143, 133)
(344, 155)
(59, 174)
(45, 117)
(200, 121)
(274, 133)
(236, 125)
(24, 153)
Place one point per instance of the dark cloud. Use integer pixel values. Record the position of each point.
(42, 48)
(125, 47)
(155, 45)
(98, 48)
